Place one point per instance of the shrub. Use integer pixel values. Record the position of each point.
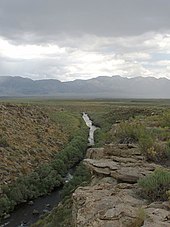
(81, 175)
(168, 150)
(47, 176)
(129, 132)
(3, 142)
(62, 214)
(153, 150)
(162, 134)
(155, 186)
(168, 194)
(140, 218)
(166, 119)
(4, 204)
(161, 152)
(145, 144)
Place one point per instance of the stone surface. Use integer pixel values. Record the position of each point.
(7, 216)
(157, 218)
(123, 162)
(31, 203)
(105, 205)
(35, 212)
(102, 166)
(95, 153)
(112, 199)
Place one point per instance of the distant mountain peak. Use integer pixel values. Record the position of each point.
(99, 87)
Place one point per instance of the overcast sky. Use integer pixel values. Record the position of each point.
(81, 39)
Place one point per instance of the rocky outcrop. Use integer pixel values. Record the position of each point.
(106, 204)
(95, 153)
(112, 198)
(123, 162)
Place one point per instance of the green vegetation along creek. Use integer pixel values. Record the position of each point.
(57, 140)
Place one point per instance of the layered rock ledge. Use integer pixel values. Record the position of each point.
(112, 198)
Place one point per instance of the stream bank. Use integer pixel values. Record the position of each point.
(28, 213)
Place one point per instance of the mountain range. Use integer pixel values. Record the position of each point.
(99, 87)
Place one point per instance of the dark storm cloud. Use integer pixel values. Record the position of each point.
(45, 20)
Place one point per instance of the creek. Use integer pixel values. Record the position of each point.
(23, 213)
(91, 127)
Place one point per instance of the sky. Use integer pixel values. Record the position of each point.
(82, 39)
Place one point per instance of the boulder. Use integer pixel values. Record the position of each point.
(35, 212)
(30, 203)
(45, 211)
(7, 216)
(129, 174)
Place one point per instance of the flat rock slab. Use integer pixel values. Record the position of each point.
(129, 174)
(102, 163)
(122, 172)
(107, 205)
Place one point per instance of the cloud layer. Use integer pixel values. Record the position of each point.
(72, 39)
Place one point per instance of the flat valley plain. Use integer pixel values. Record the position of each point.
(34, 131)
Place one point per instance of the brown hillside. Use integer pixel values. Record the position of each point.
(28, 137)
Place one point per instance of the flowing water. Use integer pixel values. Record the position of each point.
(23, 213)
(92, 128)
